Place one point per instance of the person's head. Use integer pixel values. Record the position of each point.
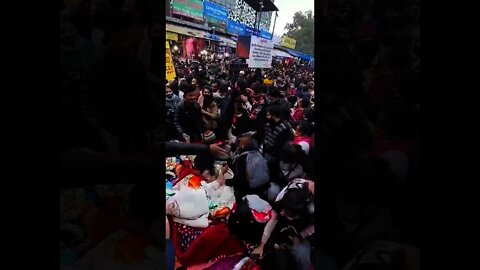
(207, 91)
(223, 89)
(215, 86)
(295, 202)
(292, 100)
(275, 94)
(168, 91)
(245, 141)
(190, 94)
(304, 129)
(241, 84)
(194, 81)
(205, 162)
(305, 102)
(275, 113)
(238, 108)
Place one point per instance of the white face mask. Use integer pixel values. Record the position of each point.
(217, 95)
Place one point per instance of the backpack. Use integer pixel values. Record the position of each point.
(257, 169)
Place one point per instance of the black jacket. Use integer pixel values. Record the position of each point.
(188, 119)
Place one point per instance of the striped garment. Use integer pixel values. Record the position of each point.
(276, 137)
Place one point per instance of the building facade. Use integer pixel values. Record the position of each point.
(239, 11)
(244, 14)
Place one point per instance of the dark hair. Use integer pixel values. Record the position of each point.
(189, 79)
(242, 224)
(242, 84)
(187, 89)
(275, 93)
(292, 100)
(223, 88)
(305, 102)
(205, 162)
(305, 128)
(276, 110)
(296, 200)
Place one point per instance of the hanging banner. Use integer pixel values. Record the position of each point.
(171, 36)
(170, 67)
(235, 28)
(212, 10)
(188, 8)
(257, 50)
(265, 34)
(288, 42)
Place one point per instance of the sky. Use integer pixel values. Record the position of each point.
(286, 10)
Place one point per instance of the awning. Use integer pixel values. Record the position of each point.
(183, 30)
(279, 53)
(268, 5)
(195, 33)
(298, 54)
(228, 42)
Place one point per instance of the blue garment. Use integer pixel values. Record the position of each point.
(169, 255)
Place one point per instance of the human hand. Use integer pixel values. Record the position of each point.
(217, 150)
(224, 169)
(258, 252)
(186, 137)
(311, 186)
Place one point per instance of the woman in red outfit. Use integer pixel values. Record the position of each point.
(304, 136)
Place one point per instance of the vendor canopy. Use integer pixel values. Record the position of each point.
(298, 54)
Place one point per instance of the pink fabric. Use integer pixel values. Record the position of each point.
(190, 47)
(308, 140)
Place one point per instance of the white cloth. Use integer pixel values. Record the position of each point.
(192, 205)
(305, 147)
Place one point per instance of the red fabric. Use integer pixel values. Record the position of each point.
(187, 169)
(308, 140)
(298, 114)
(214, 242)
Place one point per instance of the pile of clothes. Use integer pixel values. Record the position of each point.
(198, 206)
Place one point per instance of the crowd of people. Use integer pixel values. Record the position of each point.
(256, 196)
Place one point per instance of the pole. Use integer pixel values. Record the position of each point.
(260, 17)
(274, 22)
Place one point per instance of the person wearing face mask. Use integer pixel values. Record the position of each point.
(278, 132)
(210, 111)
(171, 102)
(188, 117)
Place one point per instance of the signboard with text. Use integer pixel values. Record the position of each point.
(170, 67)
(235, 28)
(260, 53)
(188, 8)
(257, 49)
(212, 10)
(288, 42)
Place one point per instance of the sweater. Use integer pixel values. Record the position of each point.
(276, 136)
